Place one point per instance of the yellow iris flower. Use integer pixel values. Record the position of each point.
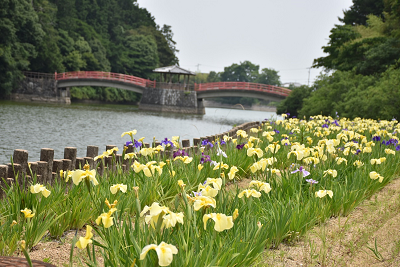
(322, 193)
(121, 187)
(146, 151)
(235, 214)
(216, 182)
(207, 190)
(340, 160)
(37, 188)
(106, 218)
(184, 159)
(155, 212)
(200, 167)
(390, 151)
(232, 172)
(130, 133)
(241, 133)
(332, 173)
(222, 222)
(374, 175)
(164, 252)
(171, 219)
(181, 183)
(202, 201)
(249, 193)
(261, 186)
(130, 155)
(358, 163)
(84, 241)
(221, 165)
(251, 151)
(79, 175)
(28, 213)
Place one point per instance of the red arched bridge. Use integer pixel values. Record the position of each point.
(203, 90)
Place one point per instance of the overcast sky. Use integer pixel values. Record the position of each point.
(285, 35)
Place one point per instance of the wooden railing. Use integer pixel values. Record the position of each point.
(38, 75)
(242, 86)
(101, 75)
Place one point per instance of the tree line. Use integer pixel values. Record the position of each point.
(81, 35)
(361, 75)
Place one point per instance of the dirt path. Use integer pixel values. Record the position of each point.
(341, 241)
(346, 241)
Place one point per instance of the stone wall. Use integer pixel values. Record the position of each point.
(47, 170)
(40, 90)
(171, 100)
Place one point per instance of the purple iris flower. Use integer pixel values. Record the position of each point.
(276, 131)
(240, 146)
(376, 138)
(398, 148)
(393, 141)
(302, 170)
(326, 120)
(166, 142)
(196, 194)
(358, 151)
(290, 133)
(325, 126)
(206, 142)
(137, 143)
(311, 181)
(128, 143)
(179, 152)
(223, 142)
(386, 143)
(336, 123)
(205, 158)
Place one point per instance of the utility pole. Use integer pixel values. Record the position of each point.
(198, 69)
(309, 69)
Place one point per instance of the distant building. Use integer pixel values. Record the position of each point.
(295, 84)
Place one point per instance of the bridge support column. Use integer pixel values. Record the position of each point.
(170, 100)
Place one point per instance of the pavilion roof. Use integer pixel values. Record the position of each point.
(174, 70)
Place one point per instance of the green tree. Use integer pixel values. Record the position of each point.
(243, 72)
(358, 12)
(49, 58)
(213, 77)
(269, 76)
(21, 33)
(294, 102)
(139, 56)
(342, 92)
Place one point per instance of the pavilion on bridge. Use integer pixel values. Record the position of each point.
(168, 73)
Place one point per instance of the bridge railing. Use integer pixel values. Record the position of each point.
(175, 86)
(38, 75)
(101, 75)
(266, 88)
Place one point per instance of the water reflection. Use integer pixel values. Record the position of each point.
(34, 126)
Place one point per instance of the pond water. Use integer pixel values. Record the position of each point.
(35, 126)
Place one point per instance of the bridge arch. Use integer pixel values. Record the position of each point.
(103, 79)
(241, 89)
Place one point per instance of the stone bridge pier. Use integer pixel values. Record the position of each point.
(171, 100)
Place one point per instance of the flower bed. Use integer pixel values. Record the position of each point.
(190, 210)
